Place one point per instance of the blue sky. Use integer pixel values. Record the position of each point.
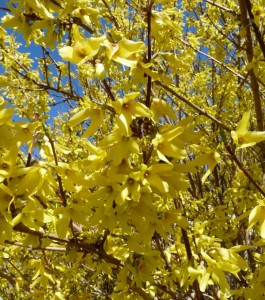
(35, 52)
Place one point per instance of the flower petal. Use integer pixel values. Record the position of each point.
(242, 127)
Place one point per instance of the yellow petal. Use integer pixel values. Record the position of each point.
(100, 71)
(255, 136)
(67, 53)
(242, 127)
(126, 62)
(5, 115)
(156, 181)
(140, 110)
(127, 48)
(234, 137)
(40, 8)
(81, 50)
(124, 122)
(93, 45)
(79, 117)
(170, 135)
(4, 81)
(93, 126)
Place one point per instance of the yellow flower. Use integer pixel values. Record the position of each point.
(164, 145)
(92, 112)
(125, 52)
(152, 176)
(120, 146)
(244, 138)
(128, 109)
(82, 50)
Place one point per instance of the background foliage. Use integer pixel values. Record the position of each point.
(131, 149)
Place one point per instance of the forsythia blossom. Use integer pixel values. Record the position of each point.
(244, 138)
(83, 48)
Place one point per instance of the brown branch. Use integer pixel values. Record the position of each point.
(93, 248)
(222, 7)
(47, 87)
(78, 21)
(194, 106)
(214, 59)
(140, 292)
(22, 228)
(44, 205)
(45, 67)
(255, 27)
(241, 167)
(5, 9)
(70, 78)
(108, 90)
(10, 279)
(60, 183)
(189, 256)
(78, 244)
(56, 66)
(19, 244)
(112, 17)
(250, 54)
(165, 290)
(149, 51)
(56, 3)
(158, 244)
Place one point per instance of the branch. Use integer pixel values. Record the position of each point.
(157, 241)
(108, 90)
(9, 278)
(222, 7)
(194, 106)
(60, 183)
(189, 255)
(140, 292)
(56, 3)
(255, 27)
(165, 290)
(78, 244)
(241, 167)
(149, 51)
(19, 244)
(5, 9)
(78, 21)
(250, 55)
(214, 59)
(113, 19)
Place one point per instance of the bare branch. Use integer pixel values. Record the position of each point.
(222, 7)
(194, 106)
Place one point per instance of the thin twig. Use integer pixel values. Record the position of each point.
(112, 17)
(222, 7)
(250, 55)
(9, 278)
(78, 244)
(194, 106)
(149, 51)
(158, 244)
(189, 256)
(60, 183)
(19, 244)
(255, 27)
(108, 90)
(241, 167)
(214, 59)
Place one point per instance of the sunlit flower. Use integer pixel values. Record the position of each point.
(125, 52)
(82, 50)
(127, 109)
(244, 138)
(164, 145)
